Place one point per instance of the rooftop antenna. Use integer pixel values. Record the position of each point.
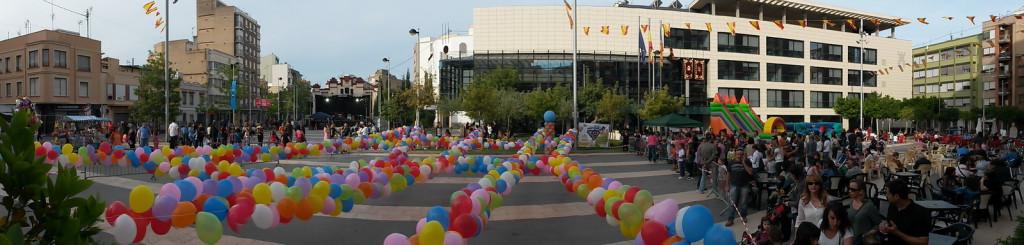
(87, 15)
(27, 24)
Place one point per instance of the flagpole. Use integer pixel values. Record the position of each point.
(862, 73)
(575, 113)
(167, 70)
(639, 55)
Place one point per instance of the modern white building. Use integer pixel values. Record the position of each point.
(795, 72)
(277, 74)
(429, 51)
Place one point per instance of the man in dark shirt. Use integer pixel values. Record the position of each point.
(905, 218)
(921, 160)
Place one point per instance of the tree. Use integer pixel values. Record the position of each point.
(501, 78)
(292, 98)
(480, 102)
(612, 107)
(150, 106)
(419, 96)
(510, 104)
(660, 103)
(39, 209)
(396, 111)
(847, 107)
(589, 97)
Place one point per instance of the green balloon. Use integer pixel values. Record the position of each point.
(346, 192)
(611, 203)
(208, 228)
(643, 200)
(630, 215)
(359, 197)
(583, 190)
(295, 193)
(496, 200)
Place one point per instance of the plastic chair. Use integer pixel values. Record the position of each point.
(962, 232)
(981, 209)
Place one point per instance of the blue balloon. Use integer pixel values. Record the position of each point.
(501, 186)
(149, 166)
(698, 220)
(718, 234)
(409, 180)
(335, 191)
(188, 191)
(216, 206)
(224, 188)
(439, 214)
(549, 116)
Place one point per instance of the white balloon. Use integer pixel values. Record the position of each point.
(277, 190)
(196, 163)
(124, 229)
(485, 183)
(595, 196)
(611, 220)
(679, 219)
(279, 171)
(262, 216)
(173, 173)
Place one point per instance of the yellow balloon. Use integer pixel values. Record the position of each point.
(432, 234)
(193, 173)
(317, 203)
(235, 170)
(321, 189)
(176, 161)
(306, 171)
(222, 166)
(140, 199)
(337, 207)
(261, 192)
(67, 149)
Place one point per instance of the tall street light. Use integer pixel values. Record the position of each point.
(416, 33)
(167, 65)
(387, 86)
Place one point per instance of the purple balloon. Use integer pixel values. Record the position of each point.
(170, 190)
(236, 184)
(163, 207)
(473, 186)
(304, 184)
(337, 179)
(210, 187)
(606, 181)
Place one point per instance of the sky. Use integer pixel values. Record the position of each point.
(324, 39)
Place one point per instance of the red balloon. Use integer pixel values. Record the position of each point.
(51, 155)
(117, 208)
(568, 186)
(160, 227)
(461, 205)
(615, 209)
(200, 201)
(237, 216)
(631, 193)
(105, 147)
(653, 233)
(466, 225)
(141, 222)
(269, 173)
(599, 207)
(40, 151)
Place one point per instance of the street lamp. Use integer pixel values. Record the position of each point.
(387, 86)
(416, 33)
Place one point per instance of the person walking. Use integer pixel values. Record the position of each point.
(172, 132)
(143, 135)
(652, 147)
(706, 155)
(740, 180)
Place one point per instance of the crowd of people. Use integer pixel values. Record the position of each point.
(798, 170)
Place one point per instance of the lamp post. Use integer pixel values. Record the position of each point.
(167, 65)
(416, 33)
(862, 41)
(387, 86)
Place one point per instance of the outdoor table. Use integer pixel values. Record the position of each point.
(907, 174)
(937, 205)
(939, 239)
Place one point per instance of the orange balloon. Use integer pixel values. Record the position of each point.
(286, 208)
(414, 240)
(366, 188)
(184, 215)
(671, 240)
(281, 179)
(305, 210)
(200, 200)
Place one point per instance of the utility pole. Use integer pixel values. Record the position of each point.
(575, 61)
(861, 42)
(167, 65)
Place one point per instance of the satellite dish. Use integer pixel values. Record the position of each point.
(445, 49)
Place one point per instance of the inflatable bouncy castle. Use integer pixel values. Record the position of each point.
(736, 116)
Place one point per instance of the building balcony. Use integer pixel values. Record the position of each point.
(1005, 57)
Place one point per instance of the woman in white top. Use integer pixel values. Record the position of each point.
(835, 229)
(812, 202)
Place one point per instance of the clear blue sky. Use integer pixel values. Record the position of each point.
(330, 38)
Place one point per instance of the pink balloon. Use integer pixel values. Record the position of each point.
(453, 238)
(352, 180)
(663, 212)
(170, 190)
(420, 224)
(396, 239)
(615, 185)
(328, 206)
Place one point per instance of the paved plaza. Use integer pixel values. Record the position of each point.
(539, 210)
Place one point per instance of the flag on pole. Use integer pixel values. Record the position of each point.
(150, 7)
(643, 49)
(732, 27)
(971, 19)
(568, 13)
(780, 24)
(755, 24)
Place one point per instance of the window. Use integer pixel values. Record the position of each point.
(131, 93)
(17, 63)
(60, 59)
(739, 43)
(33, 86)
(46, 57)
(785, 98)
(33, 59)
(830, 76)
(84, 63)
(870, 55)
(7, 90)
(60, 87)
(17, 89)
(824, 51)
(919, 89)
(853, 78)
(753, 95)
(824, 99)
(110, 91)
(785, 73)
(688, 39)
(785, 47)
(7, 64)
(738, 70)
(83, 89)
(990, 86)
